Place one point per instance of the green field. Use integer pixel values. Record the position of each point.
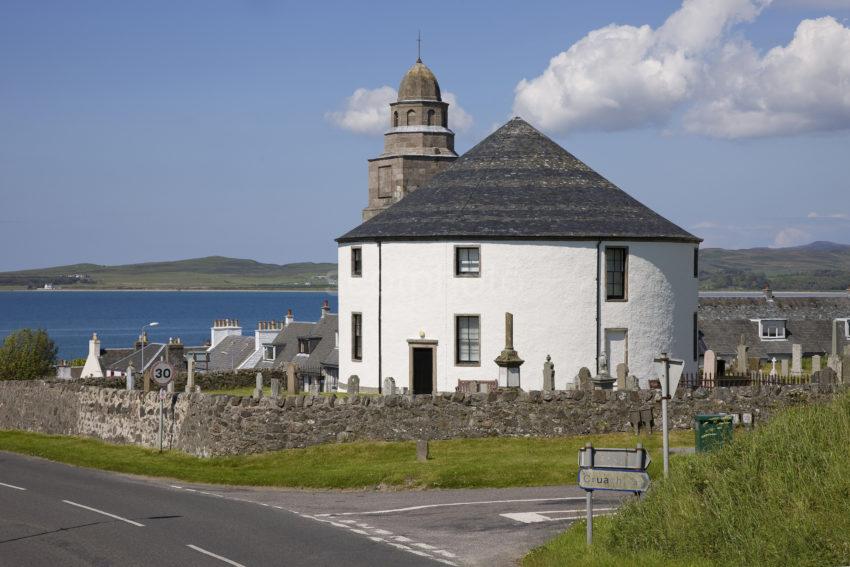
(460, 463)
(214, 272)
(778, 496)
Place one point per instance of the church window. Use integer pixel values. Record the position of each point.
(467, 261)
(696, 262)
(616, 261)
(411, 117)
(395, 119)
(468, 339)
(269, 352)
(356, 262)
(430, 118)
(356, 336)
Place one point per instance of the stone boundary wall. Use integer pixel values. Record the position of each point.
(207, 425)
(206, 380)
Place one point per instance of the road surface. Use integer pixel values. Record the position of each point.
(58, 515)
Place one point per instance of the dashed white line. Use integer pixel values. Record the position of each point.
(424, 506)
(12, 486)
(95, 510)
(211, 554)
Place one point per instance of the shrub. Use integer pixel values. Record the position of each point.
(27, 354)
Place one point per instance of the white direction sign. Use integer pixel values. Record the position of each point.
(668, 390)
(607, 479)
(162, 373)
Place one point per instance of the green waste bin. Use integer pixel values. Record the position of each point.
(712, 431)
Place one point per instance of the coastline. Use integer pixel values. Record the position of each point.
(332, 291)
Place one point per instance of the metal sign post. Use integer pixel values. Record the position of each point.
(671, 373)
(163, 373)
(622, 470)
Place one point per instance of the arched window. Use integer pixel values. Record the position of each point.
(430, 118)
(411, 117)
(395, 119)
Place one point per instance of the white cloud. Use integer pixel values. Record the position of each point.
(801, 87)
(791, 237)
(622, 76)
(367, 111)
(828, 216)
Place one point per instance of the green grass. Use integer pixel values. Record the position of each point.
(460, 463)
(778, 496)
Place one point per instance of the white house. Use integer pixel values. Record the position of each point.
(517, 225)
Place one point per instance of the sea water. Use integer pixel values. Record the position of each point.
(70, 317)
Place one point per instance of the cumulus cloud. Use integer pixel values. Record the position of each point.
(367, 111)
(791, 237)
(622, 76)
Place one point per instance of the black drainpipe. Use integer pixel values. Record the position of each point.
(598, 303)
(380, 354)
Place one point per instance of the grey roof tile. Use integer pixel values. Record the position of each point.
(518, 184)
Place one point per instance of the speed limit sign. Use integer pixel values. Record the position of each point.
(162, 373)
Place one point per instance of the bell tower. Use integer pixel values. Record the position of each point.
(417, 144)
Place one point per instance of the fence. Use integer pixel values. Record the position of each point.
(698, 380)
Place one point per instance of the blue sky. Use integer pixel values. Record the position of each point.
(163, 130)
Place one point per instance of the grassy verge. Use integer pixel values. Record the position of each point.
(459, 463)
(779, 496)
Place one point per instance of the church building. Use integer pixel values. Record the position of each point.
(592, 277)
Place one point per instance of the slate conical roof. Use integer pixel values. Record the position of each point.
(518, 184)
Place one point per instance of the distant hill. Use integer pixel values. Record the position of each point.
(819, 266)
(213, 272)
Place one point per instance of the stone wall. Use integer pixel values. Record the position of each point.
(207, 425)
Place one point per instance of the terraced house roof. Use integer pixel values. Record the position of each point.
(518, 184)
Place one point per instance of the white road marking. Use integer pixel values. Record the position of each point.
(445, 553)
(12, 486)
(131, 522)
(211, 554)
(543, 516)
(424, 506)
(425, 546)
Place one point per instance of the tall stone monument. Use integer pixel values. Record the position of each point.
(796, 359)
(548, 375)
(741, 357)
(709, 366)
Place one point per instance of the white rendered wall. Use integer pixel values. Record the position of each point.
(550, 287)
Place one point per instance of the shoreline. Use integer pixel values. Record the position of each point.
(332, 291)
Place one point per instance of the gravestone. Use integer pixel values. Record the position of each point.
(353, 385)
(314, 387)
(583, 379)
(622, 374)
(741, 357)
(833, 361)
(275, 388)
(258, 388)
(632, 383)
(548, 374)
(389, 386)
(190, 377)
(292, 385)
(796, 359)
(709, 366)
(131, 377)
(773, 366)
(422, 452)
(825, 376)
(784, 371)
(816, 363)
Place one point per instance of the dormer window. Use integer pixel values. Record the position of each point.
(847, 329)
(269, 352)
(772, 329)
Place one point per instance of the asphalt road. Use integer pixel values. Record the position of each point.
(61, 516)
(59, 520)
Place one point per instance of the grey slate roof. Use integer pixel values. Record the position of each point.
(240, 347)
(323, 354)
(152, 352)
(518, 184)
(722, 321)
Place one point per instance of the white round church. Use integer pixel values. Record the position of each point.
(518, 225)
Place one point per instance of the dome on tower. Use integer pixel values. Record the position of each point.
(419, 83)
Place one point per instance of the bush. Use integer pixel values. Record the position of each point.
(27, 354)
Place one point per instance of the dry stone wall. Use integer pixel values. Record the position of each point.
(207, 425)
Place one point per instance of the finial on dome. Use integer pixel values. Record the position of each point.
(419, 46)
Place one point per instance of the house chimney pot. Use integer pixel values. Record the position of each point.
(289, 318)
(768, 293)
(326, 307)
